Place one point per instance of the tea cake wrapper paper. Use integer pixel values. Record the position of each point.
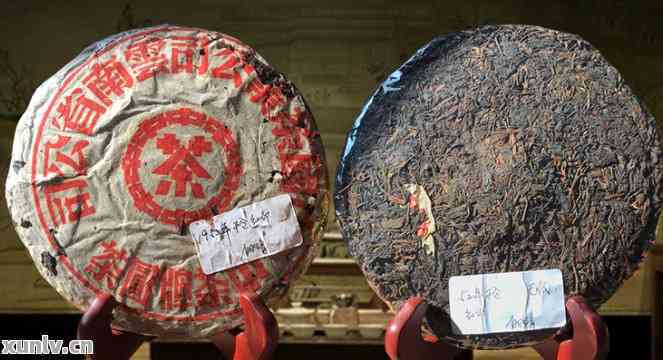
(142, 134)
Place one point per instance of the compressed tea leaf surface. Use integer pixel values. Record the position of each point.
(533, 153)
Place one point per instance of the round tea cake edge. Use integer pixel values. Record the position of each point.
(311, 210)
(370, 214)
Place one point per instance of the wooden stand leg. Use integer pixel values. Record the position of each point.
(590, 340)
(257, 342)
(259, 339)
(403, 339)
(95, 325)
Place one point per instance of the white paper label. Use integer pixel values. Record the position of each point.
(245, 234)
(507, 302)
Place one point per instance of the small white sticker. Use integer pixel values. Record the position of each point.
(245, 234)
(507, 302)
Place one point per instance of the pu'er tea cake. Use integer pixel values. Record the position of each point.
(141, 135)
(501, 149)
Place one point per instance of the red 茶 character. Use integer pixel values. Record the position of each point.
(184, 51)
(249, 277)
(108, 79)
(139, 281)
(78, 113)
(74, 160)
(181, 166)
(68, 201)
(213, 291)
(175, 289)
(106, 266)
(146, 58)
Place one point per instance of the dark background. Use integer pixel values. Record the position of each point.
(336, 52)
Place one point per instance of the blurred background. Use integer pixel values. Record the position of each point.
(336, 52)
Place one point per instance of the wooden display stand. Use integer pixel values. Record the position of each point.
(589, 341)
(256, 342)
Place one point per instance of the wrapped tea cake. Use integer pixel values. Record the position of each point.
(142, 136)
(497, 150)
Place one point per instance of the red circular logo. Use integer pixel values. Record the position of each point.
(176, 167)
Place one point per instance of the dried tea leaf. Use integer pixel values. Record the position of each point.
(534, 153)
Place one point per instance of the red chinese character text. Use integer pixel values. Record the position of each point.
(257, 90)
(291, 129)
(181, 165)
(106, 265)
(232, 68)
(301, 173)
(175, 289)
(67, 201)
(146, 58)
(139, 281)
(249, 277)
(78, 113)
(273, 103)
(185, 51)
(213, 290)
(108, 79)
(74, 160)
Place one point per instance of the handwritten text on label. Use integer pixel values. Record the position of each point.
(246, 234)
(507, 302)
